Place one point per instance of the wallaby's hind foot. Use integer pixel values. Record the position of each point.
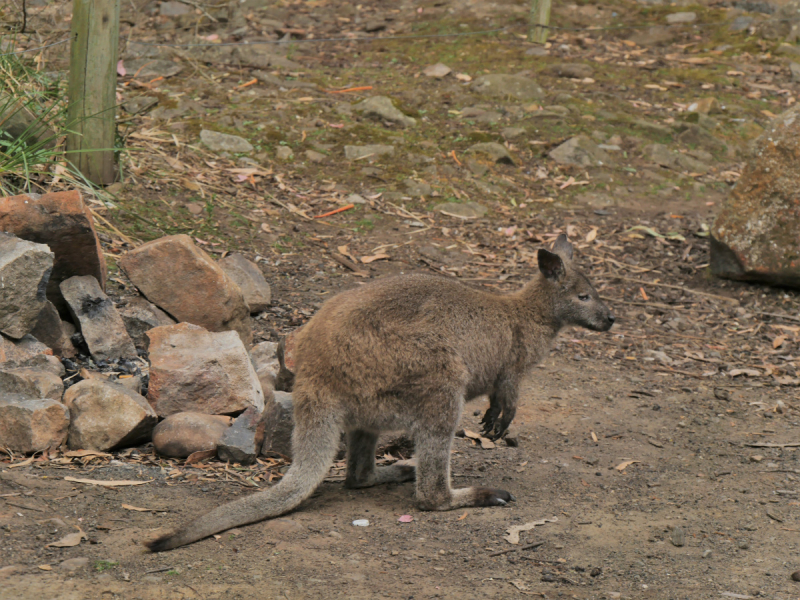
(361, 469)
(467, 497)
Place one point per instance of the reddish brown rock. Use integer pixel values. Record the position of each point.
(32, 425)
(25, 269)
(242, 441)
(100, 323)
(34, 383)
(185, 433)
(28, 352)
(183, 280)
(250, 279)
(195, 370)
(106, 416)
(756, 236)
(53, 332)
(63, 222)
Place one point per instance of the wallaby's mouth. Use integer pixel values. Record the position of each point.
(604, 323)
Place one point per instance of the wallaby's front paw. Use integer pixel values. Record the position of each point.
(489, 422)
(493, 497)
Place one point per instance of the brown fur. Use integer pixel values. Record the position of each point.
(406, 353)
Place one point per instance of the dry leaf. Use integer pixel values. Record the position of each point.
(200, 455)
(590, 237)
(513, 532)
(69, 540)
(462, 517)
(111, 483)
(137, 509)
(623, 465)
(463, 77)
(24, 463)
(486, 444)
(82, 453)
(594, 436)
(778, 341)
(345, 252)
(45, 567)
(748, 372)
(368, 259)
(520, 585)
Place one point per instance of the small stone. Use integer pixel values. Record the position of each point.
(64, 223)
(741, 23)
(595, 572)
(511, 133)
(681, 17)
(355, 199)
(100, 323)
(33, 383)
(476, 168)
(571, 70)
(497, 152)
(518, 87)
(250, 279)
(511, 440)
(315, 156)
(743, 544)
(105, 416)
(371, 152)
(206, 296)
(678, 537)
(8, 571)
(243, 440)
(756, 458)
(134, 106)
(382, 107)
(581, 151)
(536, 51)
(417, 188)
(284, 153)
(32, 425)
(139, 317)
(53, 332)
(173, 9)
(185, 433)
(794, 68)
(192, 369)
(223, 142)
(707, 553)
(148, 68)
(796, 576)
(278, 426)
(438, 71)
(465, 210)
(25, 269)
(74, 564)
(194, 209)
(705, 106)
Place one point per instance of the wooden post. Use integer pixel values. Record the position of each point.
(92, 88)
(540, 15)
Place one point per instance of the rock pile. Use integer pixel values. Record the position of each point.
(181, 352)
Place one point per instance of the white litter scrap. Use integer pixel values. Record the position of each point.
(361, 523)
(513, 532)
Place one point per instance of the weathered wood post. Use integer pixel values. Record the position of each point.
(540, 15)
(92, 88)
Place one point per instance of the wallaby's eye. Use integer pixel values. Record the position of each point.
(583, 297)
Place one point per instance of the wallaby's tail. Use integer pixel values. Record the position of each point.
(313, 447)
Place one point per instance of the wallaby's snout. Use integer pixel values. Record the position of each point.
(575, 301)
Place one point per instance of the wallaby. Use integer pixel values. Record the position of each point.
(405, 353)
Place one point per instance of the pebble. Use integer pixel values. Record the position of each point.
(678, 537)
(796, 576)
(706, 553)
(743, 544)
(361, 523)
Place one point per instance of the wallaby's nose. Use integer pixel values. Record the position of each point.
(611, 319)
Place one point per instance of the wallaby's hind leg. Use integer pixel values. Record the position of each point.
(433, 477)
(361, 468)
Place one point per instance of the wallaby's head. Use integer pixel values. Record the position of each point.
(575, 301)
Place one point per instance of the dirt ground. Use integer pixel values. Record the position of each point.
(664, 453)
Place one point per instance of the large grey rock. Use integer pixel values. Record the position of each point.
(756, 235)
(28, 352)
(106, 416)
(195, 370)
(242, 441)
(100, 323)
(363, 152)
(517, 87)
(25, 269)
(381, 107)
(264, 357)
(224, 142)
(34, 383)
(53, 332)
(31, 424)
(139, 317)
(185, 433)
(497, 152)
(149, 68)
(173, 9)
(250, 280)
(206, 296)
(678, 161)
(278, 426)
(696, 136)
(581, 151)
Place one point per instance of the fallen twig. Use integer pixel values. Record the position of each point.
(335, 211)
(507, 550)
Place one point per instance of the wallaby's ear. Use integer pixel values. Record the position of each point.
(550, 264)
(562, 247)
